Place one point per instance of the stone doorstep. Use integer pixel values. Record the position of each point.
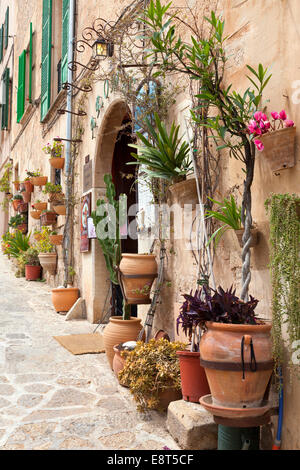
(191, 426)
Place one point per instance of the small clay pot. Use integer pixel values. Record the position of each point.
(60, 209)
(118, 360)
(35, 214)
(194, 383)
(57, 162)
(39, 180)
(64, 298)
(40, 206)
(56, 239)
(53, 197)
(32, 273)
(26, 196)
(48, 218)
(16, 203)
(23, 207)
(254, 237)
(28, 186)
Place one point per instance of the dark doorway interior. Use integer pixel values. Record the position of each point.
(124, 181)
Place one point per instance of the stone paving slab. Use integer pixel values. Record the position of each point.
(51, 399)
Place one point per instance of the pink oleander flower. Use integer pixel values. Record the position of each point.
(275, 115)
(289, 123)
(258, 115)
(259, 145)
(282, 115)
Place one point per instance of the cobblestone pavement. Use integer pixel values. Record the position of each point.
(51, 399)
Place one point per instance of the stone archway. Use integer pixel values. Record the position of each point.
(97, 281)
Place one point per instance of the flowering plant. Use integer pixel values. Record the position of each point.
(55, 150)
(260, 124)
(31, 174)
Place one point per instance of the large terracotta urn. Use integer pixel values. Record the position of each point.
(64, 298)
(238, 363)
(119, 331)
(138, 272)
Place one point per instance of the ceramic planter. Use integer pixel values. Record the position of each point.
(26, 196)
(137, 274)
(28, 186)
(237, 383)
(35, 214)
(40, 206)
(48, 262)
(254, 237)
(119, 331)
(48, 218)
(64, 299)
(60, 209)
(279, 148)
(194, 383)
(32, 273)
(39, 180)
(56, 239)
(57, 162)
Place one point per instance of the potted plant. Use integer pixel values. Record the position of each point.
(55, 238)
(35, 214)
(120, 328)
(27, 184)
(235, 348)
(48, 217)
(47, 254)
(16, 200)
(23, 207)
(194, 383)
(231, 217)
(55, 151)
(275, 138)
(60, 208)
(151, 372)
(32, 264)
(26, 196)
(39, 205)
(36, 178)
(37, 234)
(138, 272)
(54, 191)
(63, 298)
(18, 222)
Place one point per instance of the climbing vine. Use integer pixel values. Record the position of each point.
(284, 210)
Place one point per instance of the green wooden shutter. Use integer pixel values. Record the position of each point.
(5, 99)
(6, 28)
(30, 66)
(46, 58)
(65, 40)
(21, 86)
(1, 43)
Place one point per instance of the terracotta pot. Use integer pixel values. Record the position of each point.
(231, 383)
(40, 206)
(48, 262)
(16, 185)
(56, 197)
(64, 299)
(279, 148)
(22, 227)
(28, 186)
(26, 196)
(22, 186)
(23, 207)
(48, 218)
(35, 214)
(194, 383)
(138, 273)
(56, 239)
(184, 192)
(119, 331)
(57, 162)
(39, 180)
(16, 203)
(254, 236)
(60, 209)
(118, 361)
(32, 273)
(167, 396)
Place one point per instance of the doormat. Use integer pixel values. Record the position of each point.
(91, 343)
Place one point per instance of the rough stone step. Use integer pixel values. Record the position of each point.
(191, 426)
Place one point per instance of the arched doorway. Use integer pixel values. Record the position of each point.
(112, 154)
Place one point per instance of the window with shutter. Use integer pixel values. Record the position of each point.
(30, 65)
(46, 57)
(21, 86)
(6, 28)
(1, 43)
(5, 99)
(65, 40)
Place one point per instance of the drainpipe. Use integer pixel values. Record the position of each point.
(68, 230)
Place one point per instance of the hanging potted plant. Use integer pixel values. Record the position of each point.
(18, 222)
(151, 372)
(60, 208)
(120, 328)
(56, 239)
(194, 383)
(55, 151)
(26, 196)
(27, 184)
(48, 217)
(36, 179)
(235, 348)
(39, 206)
(16, 200)
(32, 264)
(35, 214)
(54, 191)
(23, 207)
(275, 139)
(47, 253)
(138, 272)
(231, 217)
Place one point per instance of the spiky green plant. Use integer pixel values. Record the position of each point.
(163, 155)
(229, 214)
(18, 244)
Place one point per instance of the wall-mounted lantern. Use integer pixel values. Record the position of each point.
(102, 49)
